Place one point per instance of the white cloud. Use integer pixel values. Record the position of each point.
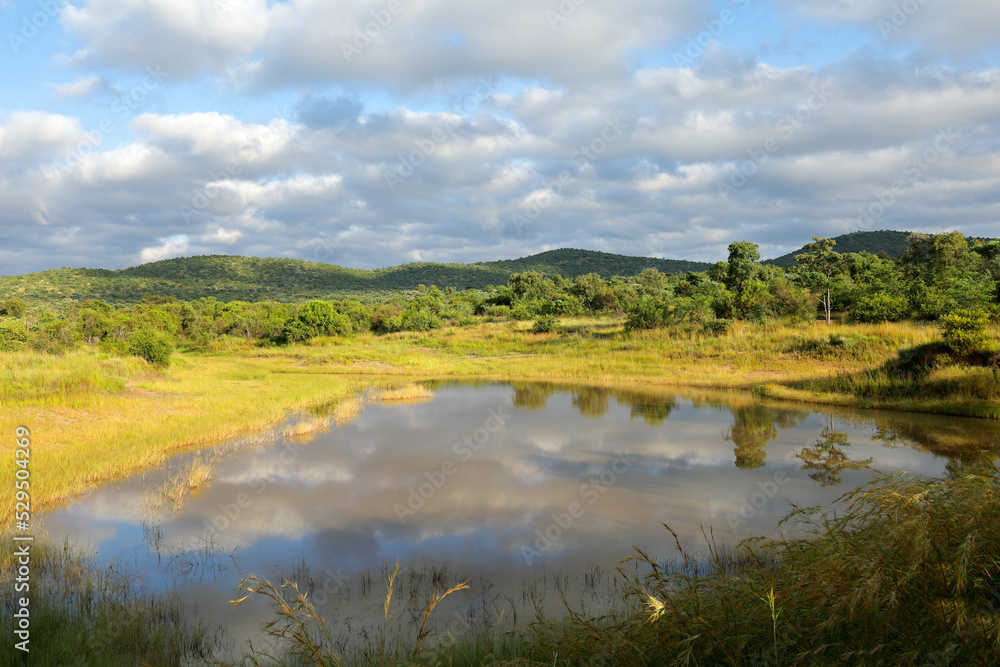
(222, 236)
(81, 87)
(174, 246)
(37, 135)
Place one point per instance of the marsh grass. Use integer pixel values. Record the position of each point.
(195, 475)
(83, 613)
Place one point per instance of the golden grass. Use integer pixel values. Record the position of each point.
(407, 393)
(124, 417)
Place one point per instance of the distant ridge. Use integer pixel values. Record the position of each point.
(891, 243)
(236, 278)
(232, 277)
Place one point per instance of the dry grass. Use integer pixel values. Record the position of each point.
(407, 393)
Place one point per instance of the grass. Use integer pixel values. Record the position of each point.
(85, 613)
(94, 419)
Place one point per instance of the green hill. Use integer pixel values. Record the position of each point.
(891, 243)
(230, 278)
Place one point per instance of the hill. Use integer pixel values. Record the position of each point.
(891, 243)
(231, 278)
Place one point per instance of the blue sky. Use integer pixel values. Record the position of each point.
(369, 133)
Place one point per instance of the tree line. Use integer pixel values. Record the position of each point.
(939, 276)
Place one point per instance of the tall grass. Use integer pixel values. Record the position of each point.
(85, 613)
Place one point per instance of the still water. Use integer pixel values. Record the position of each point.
(507, 486)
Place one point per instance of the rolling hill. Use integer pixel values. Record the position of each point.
(231, 277)
(891, 243)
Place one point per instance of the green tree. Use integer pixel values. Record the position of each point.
(964, 331)
(823, 265)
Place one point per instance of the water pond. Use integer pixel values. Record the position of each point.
(518, 489)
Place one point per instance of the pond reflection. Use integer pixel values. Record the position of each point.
(501, 484)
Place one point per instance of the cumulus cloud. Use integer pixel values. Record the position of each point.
(445, 131)
(174, 246)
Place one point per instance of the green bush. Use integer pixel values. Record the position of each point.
(15, 307)
(316, 318)
(875, 308)
(13, 335)
(151, 345)
(964, 330)
(523, 311)
(546, 324)
(648, 313)
(717, 326)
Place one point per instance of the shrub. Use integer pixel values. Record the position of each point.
(717, 326)
(153, 346)
(13, 335)
(15, 307)
(648, 313)
(546, 324)
(316, 318)
(875, 308)
(964, 330)
(523, 311)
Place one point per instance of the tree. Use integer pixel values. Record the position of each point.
(825, 264)
(742, 266)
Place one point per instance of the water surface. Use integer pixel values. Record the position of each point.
(500, 484)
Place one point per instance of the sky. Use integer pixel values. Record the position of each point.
(370, 133)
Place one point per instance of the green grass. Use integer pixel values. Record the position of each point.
(85, 613)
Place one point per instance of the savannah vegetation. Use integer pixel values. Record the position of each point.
(115, 385)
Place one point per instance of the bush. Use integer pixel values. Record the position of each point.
(15, 307)
(316, 318)
(151, 345)
(13, 335)
(875, 308)
(546, 324)
(717, 326)
(648, 313)
(964, 331)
